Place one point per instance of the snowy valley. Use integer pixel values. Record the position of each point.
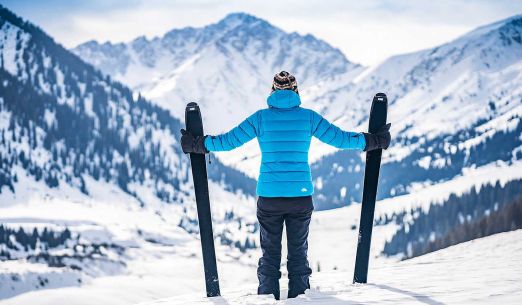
(96, 198)
(164, 261)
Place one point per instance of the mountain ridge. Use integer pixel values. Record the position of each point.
(47, 86)
(242, 55)
(462, 83)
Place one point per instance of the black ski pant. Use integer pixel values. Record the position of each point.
(295, 213)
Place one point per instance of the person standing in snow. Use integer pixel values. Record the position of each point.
(284, 188)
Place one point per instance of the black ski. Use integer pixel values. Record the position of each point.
(378, 115)
(194, 125)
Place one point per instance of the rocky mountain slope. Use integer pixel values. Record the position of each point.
(227, 66)
(62, 120)
(68, 131)
(452, 107)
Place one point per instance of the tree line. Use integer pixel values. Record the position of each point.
(478, 213)
(19, 240)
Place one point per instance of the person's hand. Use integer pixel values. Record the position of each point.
(379, 140)
(191, 144)
(187, 140)
(384, 136)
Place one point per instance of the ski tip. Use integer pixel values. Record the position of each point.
(381, 97)
(192, 106)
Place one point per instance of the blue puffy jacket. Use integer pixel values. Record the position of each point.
(284, 131)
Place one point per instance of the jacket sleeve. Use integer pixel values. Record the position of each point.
(333, 135)
(239, 135)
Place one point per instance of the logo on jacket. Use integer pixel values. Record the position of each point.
(304, 189)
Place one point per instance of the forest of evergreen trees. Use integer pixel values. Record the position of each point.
(492, 209)
(507, 218)
(85, 121)
(346, 169)
(93, 138)
(39, 246)
(47, 115)
(226, 237)
(19, 240)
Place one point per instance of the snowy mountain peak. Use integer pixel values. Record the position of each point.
(470, 83)
(511, 31)
(241, 19)
(513, 22)
(79, 118)
(196, 63)
(236, 30)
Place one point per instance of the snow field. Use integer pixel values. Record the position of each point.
(162, 260)
(483, 271)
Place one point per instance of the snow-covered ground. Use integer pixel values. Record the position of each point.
(165, 261)
(483, 271)
(333, 233)
(158, 252)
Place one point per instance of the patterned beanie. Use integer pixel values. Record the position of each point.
(284, 81)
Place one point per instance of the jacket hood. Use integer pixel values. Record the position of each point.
(283, 99)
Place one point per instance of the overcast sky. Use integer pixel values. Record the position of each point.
(366, 31)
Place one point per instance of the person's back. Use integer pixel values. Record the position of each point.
(284, 139)
(284, 131)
